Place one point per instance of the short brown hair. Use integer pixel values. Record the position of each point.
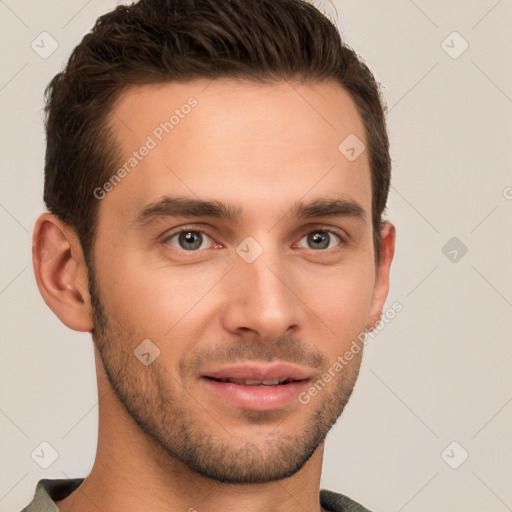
(153, 41)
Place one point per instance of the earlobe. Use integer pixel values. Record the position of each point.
(61, 272)
(387, 250)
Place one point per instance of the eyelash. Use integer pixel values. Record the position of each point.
(322, 229)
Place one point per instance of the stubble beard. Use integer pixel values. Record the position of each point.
(184, 430)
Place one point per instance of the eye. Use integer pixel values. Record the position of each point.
(321, 239)
(188, 240)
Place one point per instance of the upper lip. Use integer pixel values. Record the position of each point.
(260, 372)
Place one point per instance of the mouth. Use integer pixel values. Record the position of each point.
(253, 382)
(258, 387)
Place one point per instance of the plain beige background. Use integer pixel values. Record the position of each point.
(435, 386)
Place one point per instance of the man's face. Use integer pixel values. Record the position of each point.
(264, 295)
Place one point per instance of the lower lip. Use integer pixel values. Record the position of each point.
(258, 398)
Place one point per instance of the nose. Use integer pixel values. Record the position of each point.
(262, 297)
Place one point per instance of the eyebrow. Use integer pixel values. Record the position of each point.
(190, 207)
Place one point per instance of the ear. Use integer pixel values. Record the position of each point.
(381, 289)
(61, 272)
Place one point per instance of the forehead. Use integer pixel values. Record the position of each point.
(244, 143)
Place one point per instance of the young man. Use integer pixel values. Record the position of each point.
(216, 174)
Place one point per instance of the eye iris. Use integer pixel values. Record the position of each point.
(190, 240)
(318, 240)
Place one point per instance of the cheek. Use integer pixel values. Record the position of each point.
(154, 301)
(343, 303)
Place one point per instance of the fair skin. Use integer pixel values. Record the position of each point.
(217, 446)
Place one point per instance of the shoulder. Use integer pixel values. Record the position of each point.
(335, 502)
(49, 491)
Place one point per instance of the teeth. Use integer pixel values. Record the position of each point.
(249, 382)
(235, 381)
